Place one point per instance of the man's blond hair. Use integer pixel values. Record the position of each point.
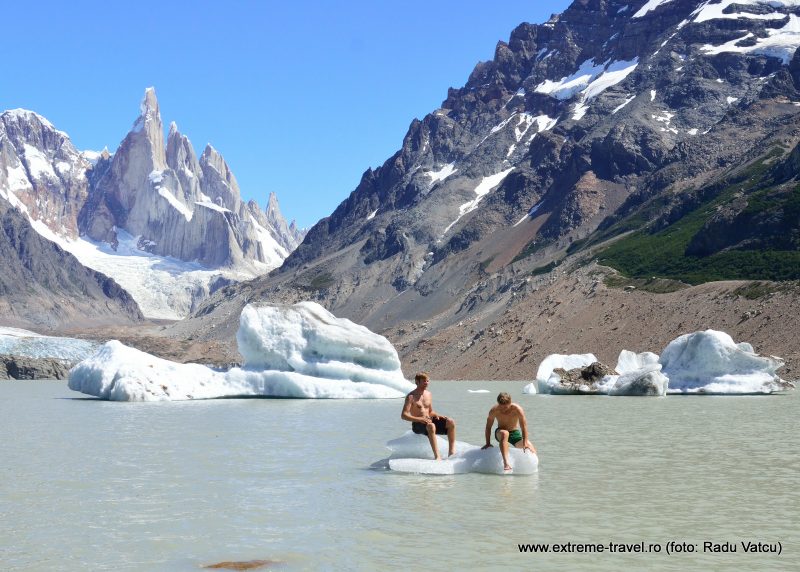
(504, 398)
(421, 376)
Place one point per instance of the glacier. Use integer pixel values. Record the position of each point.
(412, 453)
(300, 351)
(24, 343)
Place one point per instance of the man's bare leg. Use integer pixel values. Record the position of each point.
(432, 438)
(451, 437)
(504, 448)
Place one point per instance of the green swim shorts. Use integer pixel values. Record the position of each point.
(514, 436)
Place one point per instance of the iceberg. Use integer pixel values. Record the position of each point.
(705, 362)
(413, 446)
(629, 361)
(635, 374)
(647, 380)
(710, 362)
(639, 374)
(412, 453)
(555, 361)
(300, 351)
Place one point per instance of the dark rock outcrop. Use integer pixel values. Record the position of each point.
(581, 380)
(24, 368)
(41, 285)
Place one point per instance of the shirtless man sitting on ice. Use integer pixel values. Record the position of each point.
(510, 417)
(418, 409)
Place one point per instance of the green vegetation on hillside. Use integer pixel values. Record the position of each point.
(663, 253)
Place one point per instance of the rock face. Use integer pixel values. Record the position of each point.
(15, 367)
(41, 172)
(42, 286)
(611, 117)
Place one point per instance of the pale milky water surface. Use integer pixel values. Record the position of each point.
(92, 485)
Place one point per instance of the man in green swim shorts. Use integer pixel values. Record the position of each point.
(510, 417)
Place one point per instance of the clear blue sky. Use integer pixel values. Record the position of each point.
(300, 97)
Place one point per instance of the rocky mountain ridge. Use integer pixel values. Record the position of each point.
(612, 121)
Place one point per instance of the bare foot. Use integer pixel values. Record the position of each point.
(451, 453)
(438, 459)
(507, 468)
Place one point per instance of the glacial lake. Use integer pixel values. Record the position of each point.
(93, 485)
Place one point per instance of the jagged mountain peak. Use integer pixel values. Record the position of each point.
(147, 196)
(26, 115)
(272, 202)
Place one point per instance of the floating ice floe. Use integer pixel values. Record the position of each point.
(412, 453)
(711, 362)
(24, 343)
(647, 380)
(555, 361)
(708, 362)
(639, 374)
(300, 351)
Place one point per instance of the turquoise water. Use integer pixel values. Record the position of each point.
(91, 485)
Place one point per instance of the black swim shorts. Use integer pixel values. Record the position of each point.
(440, 422)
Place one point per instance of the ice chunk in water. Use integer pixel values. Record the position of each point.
(412, 445)
(710, 362)
(647, 380)
(412, 453)
(562, 361)
(629, 361)
(321, 356)
(487, 461)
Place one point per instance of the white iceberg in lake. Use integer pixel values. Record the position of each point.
(636, 374)
(639, 375)
(629, 361)
(711, 362)
(414, 446)
(24, 343)
(555, 361)
(412, 453)
(300, 351)
(647, 380)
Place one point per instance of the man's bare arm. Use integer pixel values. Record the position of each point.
(523, 423)
(489, 423)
